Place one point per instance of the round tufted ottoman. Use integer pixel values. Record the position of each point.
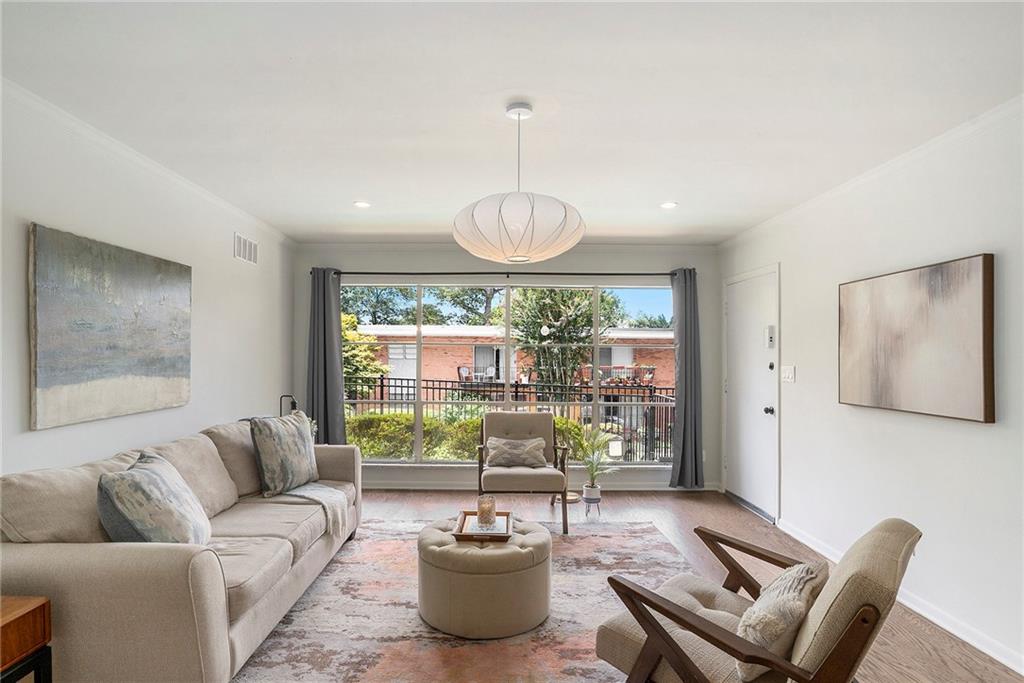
(484, 590)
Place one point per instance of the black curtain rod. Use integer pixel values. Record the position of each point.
(507, 274)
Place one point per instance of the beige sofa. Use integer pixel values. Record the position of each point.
(164, 611)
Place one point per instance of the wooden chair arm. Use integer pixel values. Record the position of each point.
(480, 469)
(561, 457)
(738, 577)
(636, 597)
(770, 556)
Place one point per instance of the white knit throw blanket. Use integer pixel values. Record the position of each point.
(333, 501)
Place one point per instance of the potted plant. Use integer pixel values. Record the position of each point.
(590, 446)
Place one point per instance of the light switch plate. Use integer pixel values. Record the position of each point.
(788, 373)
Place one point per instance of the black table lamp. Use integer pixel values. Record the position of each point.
(293, 403)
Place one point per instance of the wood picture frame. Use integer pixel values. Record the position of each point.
(921, 340)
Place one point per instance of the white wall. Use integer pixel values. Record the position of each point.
(584, 258)
(61, 173)
(846, 467)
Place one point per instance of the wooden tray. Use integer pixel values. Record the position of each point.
(465, 515)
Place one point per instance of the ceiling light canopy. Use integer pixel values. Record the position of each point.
(361, 204)
(669, 205)
(518, 227)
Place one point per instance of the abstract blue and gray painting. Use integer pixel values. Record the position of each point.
(111, 330)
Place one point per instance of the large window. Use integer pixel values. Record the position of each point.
(424, 363)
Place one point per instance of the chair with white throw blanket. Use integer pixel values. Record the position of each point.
(692, 630)
(523, 465)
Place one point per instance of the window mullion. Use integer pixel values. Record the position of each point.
(417, 438)
(508, 348)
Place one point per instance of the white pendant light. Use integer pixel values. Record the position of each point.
(518, 227)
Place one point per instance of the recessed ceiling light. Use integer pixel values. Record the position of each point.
(669, 205)
(361, 204)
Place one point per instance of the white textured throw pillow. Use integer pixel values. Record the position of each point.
(516, 452)
(775, 617)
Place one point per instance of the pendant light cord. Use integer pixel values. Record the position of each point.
(519, 149)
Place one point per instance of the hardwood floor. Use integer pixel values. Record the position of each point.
(910, 649)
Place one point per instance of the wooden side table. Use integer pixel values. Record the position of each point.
(25, 638)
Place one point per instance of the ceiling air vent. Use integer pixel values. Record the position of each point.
(246, 249)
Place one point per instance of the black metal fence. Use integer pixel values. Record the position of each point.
(641, 416)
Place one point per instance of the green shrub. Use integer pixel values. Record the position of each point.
(567, 431)
(390, 435)
(464, 437)
(451, 414)
(434, 432)
(381, 435)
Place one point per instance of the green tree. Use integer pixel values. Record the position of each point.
(657, 321)
(380, 305)
(472, 305)
(433, 315)
(359, 357)
(556, 327)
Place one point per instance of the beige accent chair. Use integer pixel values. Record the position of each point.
(552, 479)
(686, 630)
(171, 611)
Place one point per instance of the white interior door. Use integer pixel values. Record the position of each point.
(751, 391)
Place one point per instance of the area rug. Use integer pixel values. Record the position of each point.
(359, 621)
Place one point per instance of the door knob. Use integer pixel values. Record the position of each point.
(769, 410)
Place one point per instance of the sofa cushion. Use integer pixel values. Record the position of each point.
(347, 487)
(56, 505)
(541, 479)
(251, 568)
(234, 443)
(284, 452)
(620, 638)
(199, 463)
(151, 503)
(300, 525)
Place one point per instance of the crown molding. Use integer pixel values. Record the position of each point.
(104, 141)
(970, 128)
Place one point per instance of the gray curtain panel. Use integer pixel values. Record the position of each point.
(687, 444)
(325, 385)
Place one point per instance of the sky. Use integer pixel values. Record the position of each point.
(645, 300)
(637, 300)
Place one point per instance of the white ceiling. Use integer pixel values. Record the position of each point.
(738, 112)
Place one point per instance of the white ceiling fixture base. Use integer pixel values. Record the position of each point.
(518, 227)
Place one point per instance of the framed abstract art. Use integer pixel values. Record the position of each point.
(921, 340)
(110, 330)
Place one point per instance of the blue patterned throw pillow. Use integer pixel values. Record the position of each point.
(150, 502)
(284, 452)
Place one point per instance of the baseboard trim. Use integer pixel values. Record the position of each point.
(462, 477)
(929, 610)
(742, 502)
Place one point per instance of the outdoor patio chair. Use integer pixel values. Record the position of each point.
(551, 479)
(465, 374)
(686, 629)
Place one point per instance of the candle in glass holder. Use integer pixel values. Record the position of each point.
(485, 511)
